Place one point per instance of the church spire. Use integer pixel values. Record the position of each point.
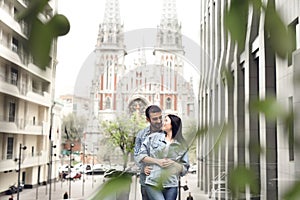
(169, 30)
(169, 14)
(112, 12)
(111, 30)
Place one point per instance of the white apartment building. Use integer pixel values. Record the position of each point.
(26, 102)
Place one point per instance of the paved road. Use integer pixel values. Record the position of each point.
(82, 193)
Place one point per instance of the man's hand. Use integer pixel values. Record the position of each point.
(147, 170)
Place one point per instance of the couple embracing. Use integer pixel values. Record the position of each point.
(161, 152)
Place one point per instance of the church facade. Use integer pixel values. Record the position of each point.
(119, 87)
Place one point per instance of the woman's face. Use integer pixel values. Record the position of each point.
(167, 124)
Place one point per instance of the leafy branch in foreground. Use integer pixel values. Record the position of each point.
(42, 34)
(236, 21)
(114, 186)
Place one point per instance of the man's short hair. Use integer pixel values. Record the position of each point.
(151, 109)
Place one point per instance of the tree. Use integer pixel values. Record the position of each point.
(122, 133)
(72, 126)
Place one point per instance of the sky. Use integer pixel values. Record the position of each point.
(86, 15)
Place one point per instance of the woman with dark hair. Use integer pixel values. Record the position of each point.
(166, 152)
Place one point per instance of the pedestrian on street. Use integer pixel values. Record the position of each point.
(66, 196)
(11, 197)
(190, 197)
(154, 117)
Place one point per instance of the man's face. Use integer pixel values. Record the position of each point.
(155, 120)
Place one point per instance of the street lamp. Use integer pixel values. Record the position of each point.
(71, 146)
(93, 165)
(84, 168)
(19, 168)
(50, 166)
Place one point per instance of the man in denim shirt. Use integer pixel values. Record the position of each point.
(154, 117)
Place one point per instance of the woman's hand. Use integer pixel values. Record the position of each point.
(164, 162)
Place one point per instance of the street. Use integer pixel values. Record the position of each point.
(77, 192)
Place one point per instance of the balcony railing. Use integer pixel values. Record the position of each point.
(28, 160)
(21, 86)
(12, 123)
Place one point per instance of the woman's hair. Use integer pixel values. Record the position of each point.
(176, 128)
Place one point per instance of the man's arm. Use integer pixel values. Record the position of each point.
(137, 146)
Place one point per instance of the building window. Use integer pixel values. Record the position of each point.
(107, 103)
(14, 76)
(291, 131)
(12, 111)
(10, 148)
(292, 29)
(138, 105)
(15, 45)
(168, 103)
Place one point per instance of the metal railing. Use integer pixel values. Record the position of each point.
(20, 122)
(20, 85)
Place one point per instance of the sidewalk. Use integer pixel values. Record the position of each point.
(78, 192)
(191, 183)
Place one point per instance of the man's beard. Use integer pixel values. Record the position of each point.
(156, 127)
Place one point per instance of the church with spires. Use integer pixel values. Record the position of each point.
(118, 87)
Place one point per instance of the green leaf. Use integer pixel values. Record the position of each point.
(41, 35)
(113, 186)
(256, 148)
(293, 193)
(40, 40)
(269, 107)
(58, 25)
(280, 39)
(236, 19)
(239, 178)
(33, 9)
(227, 77)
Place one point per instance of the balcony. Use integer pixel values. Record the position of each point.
(9, 20)
(20, 126)
(7, 165)
(11, 55)
(13, 88)
(28, 160)
(7, 88)
(35, 160)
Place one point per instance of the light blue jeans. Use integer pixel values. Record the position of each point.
(166, 194)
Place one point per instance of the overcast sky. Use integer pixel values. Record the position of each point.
(85, 17)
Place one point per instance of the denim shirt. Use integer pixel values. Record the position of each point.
(141, 136)
(155, 146)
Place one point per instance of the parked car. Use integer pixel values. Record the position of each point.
(14, 189)
(73, 175)
(65, 168)
(97, 169)
(82, 168)
(110, 173)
